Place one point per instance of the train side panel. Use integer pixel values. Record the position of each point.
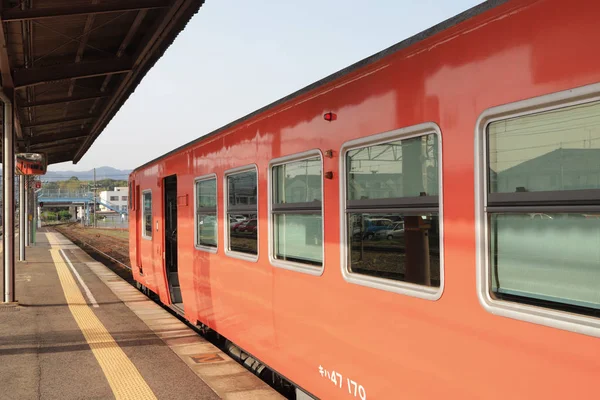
(391, 345)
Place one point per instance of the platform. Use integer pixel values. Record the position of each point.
(81, 332)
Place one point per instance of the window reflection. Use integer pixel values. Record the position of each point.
(206, 192)
(207, 230)
(549, 151)
(299, 238)
(395, 246)
(552, 258)
(243, 233)
(206, 212)
(147, 214)
(404, 168)
(297, 182)
(242, 188)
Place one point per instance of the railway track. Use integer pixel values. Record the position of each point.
(97, 250)
(106, 250)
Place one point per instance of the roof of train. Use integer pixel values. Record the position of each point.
(442, 26)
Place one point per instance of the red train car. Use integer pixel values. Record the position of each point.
(421, 224)
(30, 164)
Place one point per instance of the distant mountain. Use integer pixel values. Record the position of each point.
(101, 173)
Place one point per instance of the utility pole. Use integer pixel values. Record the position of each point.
(94, 197)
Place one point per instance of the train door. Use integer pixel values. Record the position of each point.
(138, 227)
(170, 225)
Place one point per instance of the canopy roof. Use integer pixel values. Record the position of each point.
(70, 65)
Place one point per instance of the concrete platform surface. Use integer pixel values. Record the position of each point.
(80, 332)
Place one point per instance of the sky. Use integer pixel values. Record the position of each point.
(236, 56)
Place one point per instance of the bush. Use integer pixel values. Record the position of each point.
(64, 215)
(49, 216)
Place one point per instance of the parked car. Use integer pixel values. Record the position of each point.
(249, 226)
(374, 225)
(396, 231)
(239, 225)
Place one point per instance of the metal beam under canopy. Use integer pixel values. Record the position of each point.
(16, 14)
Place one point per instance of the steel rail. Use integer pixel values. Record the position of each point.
(103, 253)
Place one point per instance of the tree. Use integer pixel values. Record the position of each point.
(72, 184)
(50, 186)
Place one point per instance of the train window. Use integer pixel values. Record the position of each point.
(206, 212)
(296, 212)
(241, 235)
(391, 211)
(547, 255)
(132, 196)
(539, 210)
(147, 214)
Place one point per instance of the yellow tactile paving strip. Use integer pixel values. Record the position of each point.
(228, 379)
(123, 377)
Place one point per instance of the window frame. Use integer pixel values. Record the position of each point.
(417, 204)
(143, 221)
(209, 249)
(291, 265)
(555, 201)
(226, 228)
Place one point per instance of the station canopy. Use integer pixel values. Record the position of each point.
(69, 65)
